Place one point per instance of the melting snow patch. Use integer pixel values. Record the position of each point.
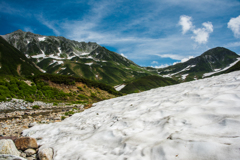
(184, 76)
(89, 63)
(40, 55)
(119, 87)
(84, 54)
(191, 121)
(41, 38)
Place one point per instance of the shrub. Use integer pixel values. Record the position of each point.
(63, 117)
(82, 96)
(29, 100)
(55, 104)
(2, 98)
(93, 95)
(35, 107)
(80, 88)
(69, 113)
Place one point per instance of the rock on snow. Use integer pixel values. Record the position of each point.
(196, 120)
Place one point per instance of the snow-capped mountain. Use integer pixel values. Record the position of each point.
(210, 62)
(58, 55)
(196, 120)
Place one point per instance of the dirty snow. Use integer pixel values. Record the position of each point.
(197, 120)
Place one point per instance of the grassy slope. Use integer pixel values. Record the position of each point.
(13, 62)
(146, 83)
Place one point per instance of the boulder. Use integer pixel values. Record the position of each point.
(10, 157)
(45, 154)
(7, 147)
(30, 152)
(26, 143)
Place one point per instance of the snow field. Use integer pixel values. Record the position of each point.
(197, 120)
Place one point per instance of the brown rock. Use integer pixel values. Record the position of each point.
(25, 143)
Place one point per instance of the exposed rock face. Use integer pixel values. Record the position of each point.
(25, 143)
(10, 157)
(7, 147)
(45, 154)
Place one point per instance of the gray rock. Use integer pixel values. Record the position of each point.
(45, 153)
(10, 157)
(7, 147)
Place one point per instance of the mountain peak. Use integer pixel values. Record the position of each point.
(219, 51)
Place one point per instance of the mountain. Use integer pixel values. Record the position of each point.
(210, 62)
(13, 62)
(58, 55)
(146, 83)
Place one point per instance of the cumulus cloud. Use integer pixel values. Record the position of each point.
(202, 34)
(154, 62)
(234, 25)
(185, 22)
(161, 66)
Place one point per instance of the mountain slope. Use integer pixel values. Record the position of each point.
(146, 83)
(58, 55)
(13, 62)
(212, 60)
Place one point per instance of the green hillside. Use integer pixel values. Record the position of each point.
(146, 83)
(215, 58)
(13, 62)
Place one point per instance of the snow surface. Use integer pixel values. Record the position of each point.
(184, 76)
(119, 87)
(197, 120)
(220, 70)
(58, 62)
(89, 64)
(41, 38)
(83, 54)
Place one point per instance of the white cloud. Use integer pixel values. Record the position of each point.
(154, 62)
(123, 55)
(234, 25)
(186, 59)
(172, 56)
(234, 44)
(28, 29)
(202, 34)
(50, 25)
(185, 22)
(161, 66)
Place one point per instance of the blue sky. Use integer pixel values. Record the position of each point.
(149, 32)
